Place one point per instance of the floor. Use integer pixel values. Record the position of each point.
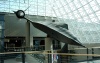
(29, 59)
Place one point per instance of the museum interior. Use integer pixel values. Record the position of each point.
(49, 31)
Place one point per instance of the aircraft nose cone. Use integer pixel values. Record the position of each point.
(20, 14)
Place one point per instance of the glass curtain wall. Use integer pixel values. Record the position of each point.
(82, 16)
(32, 7)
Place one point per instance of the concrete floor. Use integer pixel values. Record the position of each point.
(28, 59)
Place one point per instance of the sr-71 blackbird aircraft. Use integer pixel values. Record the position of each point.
(56, 30)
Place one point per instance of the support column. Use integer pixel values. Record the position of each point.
(48, 42)
(2, 37)
(27, 34)
(31, 43)
(23, 57)
(48, 46)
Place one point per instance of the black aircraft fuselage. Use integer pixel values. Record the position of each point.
(56, 30)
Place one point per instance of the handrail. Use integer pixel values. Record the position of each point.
(44, 52)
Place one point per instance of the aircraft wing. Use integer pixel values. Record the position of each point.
(57, 32)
